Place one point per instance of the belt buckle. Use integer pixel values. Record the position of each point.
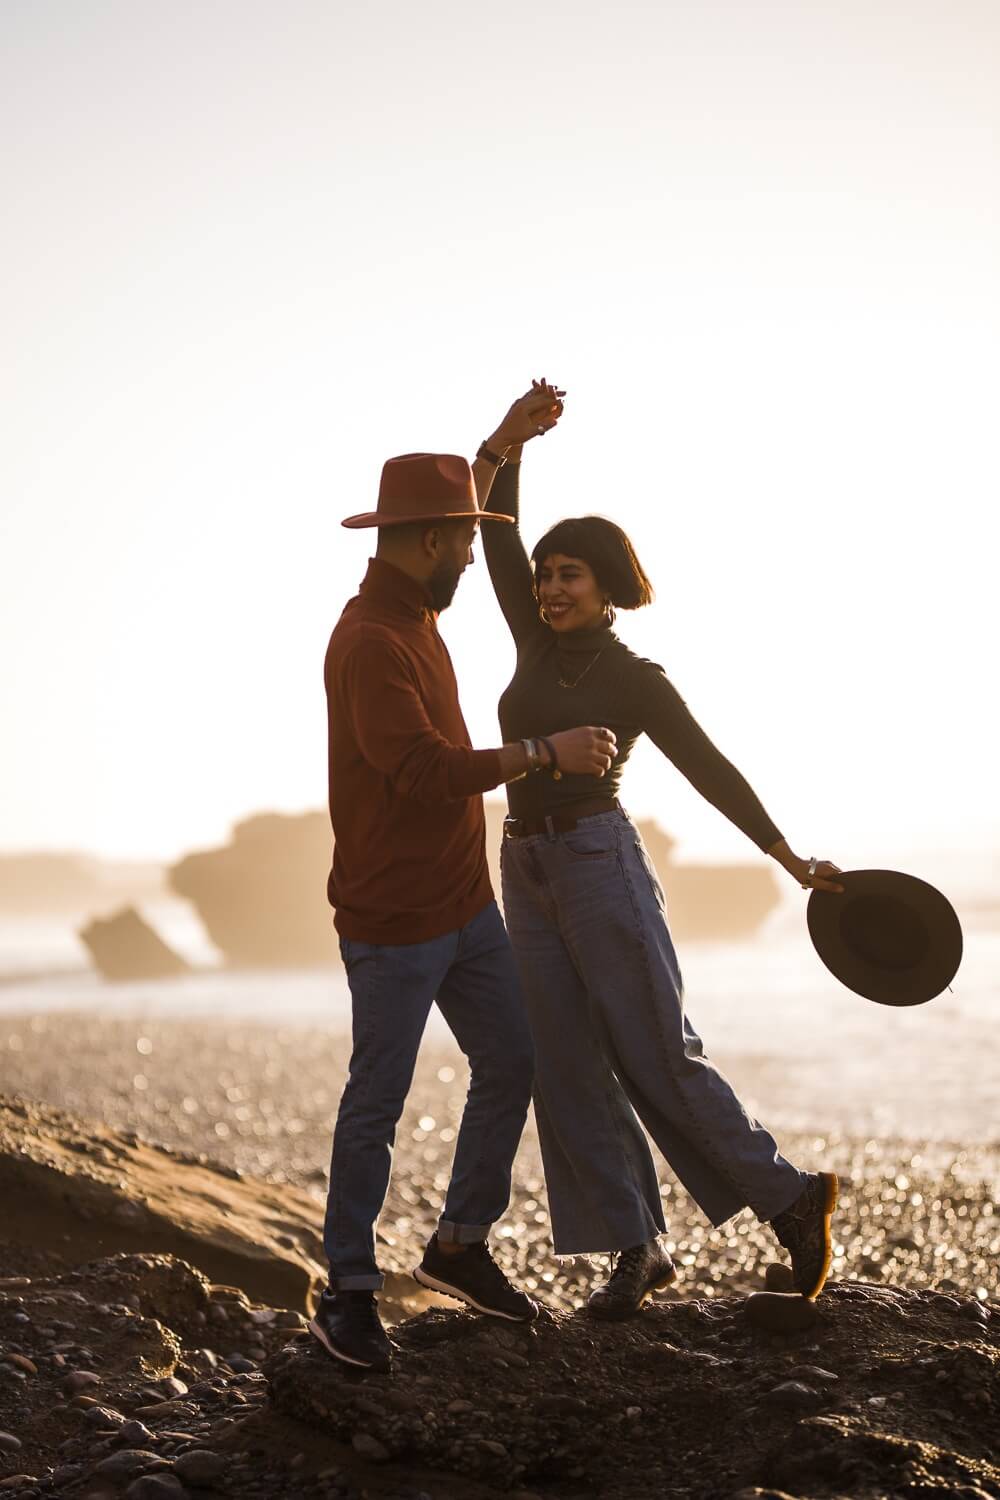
(510, 827)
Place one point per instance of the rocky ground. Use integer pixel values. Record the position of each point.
(135, 1373)
(134, 1376)
(155, 1269)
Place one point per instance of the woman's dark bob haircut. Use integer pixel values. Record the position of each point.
(606, 550)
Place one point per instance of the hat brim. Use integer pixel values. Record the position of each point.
(377, 518)
(923, 949)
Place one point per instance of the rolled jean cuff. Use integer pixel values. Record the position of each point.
(462, 1234)
(371, 1283)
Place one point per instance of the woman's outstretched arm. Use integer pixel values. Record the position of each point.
(672, 727)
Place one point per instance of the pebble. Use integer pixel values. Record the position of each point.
(9, 1443)
(127, 1462)
(779, 1312)
(778, 1277)
(791, 1393)
(78, 1381)
(135, 1432)
(23, 1363)
(813, 1373)
(200, 1466)
(369, 1447)
(156, 1487)
(17, 1481)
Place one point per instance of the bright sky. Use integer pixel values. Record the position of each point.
(251, 250)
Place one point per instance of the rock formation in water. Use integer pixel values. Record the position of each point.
(124, 946)
(262, 897)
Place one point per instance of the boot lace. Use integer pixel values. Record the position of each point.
(625, 1264)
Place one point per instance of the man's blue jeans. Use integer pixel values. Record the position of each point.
(472, 976)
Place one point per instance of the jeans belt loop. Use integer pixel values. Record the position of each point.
(550, 829)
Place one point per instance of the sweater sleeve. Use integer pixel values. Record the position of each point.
(506, 558)
(393, 732)
(668, 721)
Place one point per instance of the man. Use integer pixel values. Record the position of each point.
(414, 908)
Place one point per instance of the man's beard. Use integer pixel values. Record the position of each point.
(442, 583)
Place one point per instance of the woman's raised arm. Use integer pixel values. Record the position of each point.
(506, 557)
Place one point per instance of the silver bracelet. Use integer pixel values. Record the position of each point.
(531, 751)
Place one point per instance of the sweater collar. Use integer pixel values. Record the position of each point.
(389, 586)
(586, 642)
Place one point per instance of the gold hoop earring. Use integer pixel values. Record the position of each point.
(609, 612)
(543, 616)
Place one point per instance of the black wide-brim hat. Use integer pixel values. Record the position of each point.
(890, 937)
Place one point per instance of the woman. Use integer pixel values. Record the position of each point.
(587, 921)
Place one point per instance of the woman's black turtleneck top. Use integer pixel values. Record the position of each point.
(614, 688)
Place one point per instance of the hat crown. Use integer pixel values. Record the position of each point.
(414, 485)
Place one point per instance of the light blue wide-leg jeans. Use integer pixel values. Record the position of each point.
(613, 1047)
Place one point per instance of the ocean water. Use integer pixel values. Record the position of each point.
(799, 1046)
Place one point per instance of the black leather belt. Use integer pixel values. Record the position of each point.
(522, 828)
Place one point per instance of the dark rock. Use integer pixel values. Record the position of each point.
(128, 1462)
(102, 1416)
(199, 1466)
(813, 1374)
(791, 1393)
(9, 1443)
(156, 1487)
(778, 1277)
(780, 1313)
(135, 1433)
(369, 1447)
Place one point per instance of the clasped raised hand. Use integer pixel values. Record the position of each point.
(531, 415)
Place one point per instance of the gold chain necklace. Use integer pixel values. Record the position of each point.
(562, 681)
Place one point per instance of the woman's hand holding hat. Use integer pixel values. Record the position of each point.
(812, 874)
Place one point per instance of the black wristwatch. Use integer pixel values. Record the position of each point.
(496, 459)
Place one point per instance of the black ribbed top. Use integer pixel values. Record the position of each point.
(621, 691)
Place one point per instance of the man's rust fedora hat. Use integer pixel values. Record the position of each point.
(425, 487)
(890, 937)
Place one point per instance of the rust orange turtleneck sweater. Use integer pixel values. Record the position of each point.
(409, 859)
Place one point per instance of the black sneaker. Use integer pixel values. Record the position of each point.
(474, 1277)
(348, 1326)
(639, 1271)
(804, 1230)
